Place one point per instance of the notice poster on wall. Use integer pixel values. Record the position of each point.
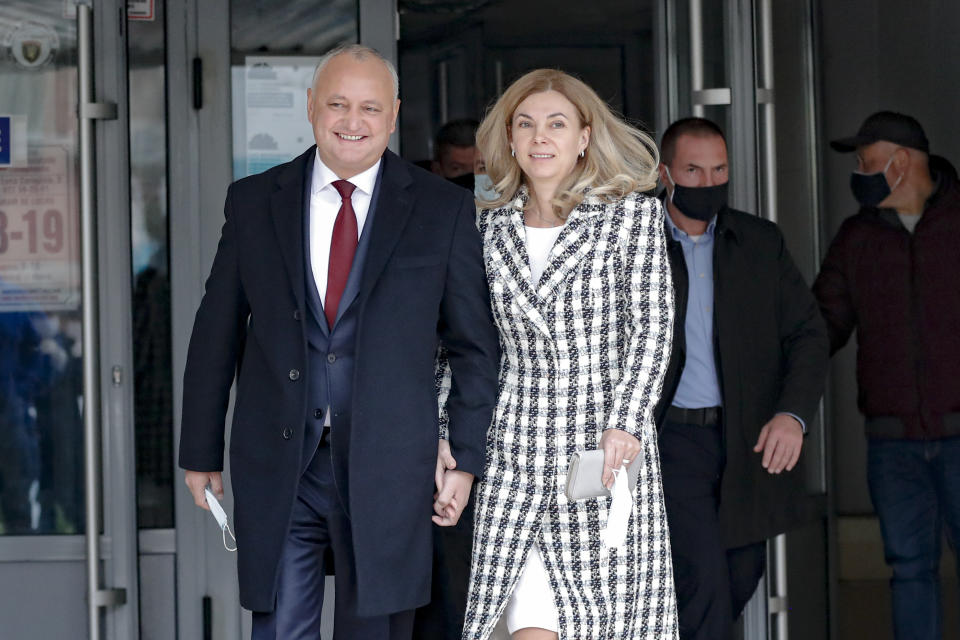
(270, 123)
(39, 235)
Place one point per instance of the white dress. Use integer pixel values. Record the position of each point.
(531, 604)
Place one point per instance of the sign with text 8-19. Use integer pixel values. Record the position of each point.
(39, 235)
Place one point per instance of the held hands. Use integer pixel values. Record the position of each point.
(780, 441)
(197, 482)
(453, 488)
(619, 447)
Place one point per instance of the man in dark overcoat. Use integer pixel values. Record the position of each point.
(336, 277)
(747, 370)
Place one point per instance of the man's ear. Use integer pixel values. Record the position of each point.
(310, 105)
(661, 169)
(901, 158)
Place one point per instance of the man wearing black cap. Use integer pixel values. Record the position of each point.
(893, 274)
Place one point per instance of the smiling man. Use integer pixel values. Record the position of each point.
(336, 276)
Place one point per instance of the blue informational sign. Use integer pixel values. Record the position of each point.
(5, 141)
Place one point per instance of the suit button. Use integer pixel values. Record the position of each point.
(294, 374)
(331, 358)
(296, 315)
(317, 413)
(286, 433)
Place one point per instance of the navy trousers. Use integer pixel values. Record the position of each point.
(319, 529)
(713, 583)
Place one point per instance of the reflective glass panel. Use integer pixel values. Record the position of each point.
(153, 378)
(41, 433)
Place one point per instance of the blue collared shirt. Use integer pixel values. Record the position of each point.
(699, 385)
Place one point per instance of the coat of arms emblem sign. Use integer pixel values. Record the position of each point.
(32, 44)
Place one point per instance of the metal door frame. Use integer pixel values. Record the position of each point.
(119, 595)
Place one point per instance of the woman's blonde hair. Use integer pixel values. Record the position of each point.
(619, 158)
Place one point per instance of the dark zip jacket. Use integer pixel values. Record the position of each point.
(901, 292)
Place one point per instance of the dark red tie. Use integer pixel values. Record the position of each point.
(343, 246)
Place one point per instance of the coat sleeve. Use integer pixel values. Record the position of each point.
(833, 293)
(803, 340)
(472, 345)
(650, 322)
(219, 332)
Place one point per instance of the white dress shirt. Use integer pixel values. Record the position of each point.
(325, 205)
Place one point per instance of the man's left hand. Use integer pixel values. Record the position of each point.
(452, 498)
(780, 441)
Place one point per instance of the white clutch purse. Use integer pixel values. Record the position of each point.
(586, 471)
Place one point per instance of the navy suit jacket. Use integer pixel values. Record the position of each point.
(422, 281)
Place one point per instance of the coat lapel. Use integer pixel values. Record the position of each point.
(286, 210)
(393, 206)
(509, 257)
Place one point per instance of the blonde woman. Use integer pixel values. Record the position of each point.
(581, 294)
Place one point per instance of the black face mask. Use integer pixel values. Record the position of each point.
(870, 189)
(465, 181)
(699, 203)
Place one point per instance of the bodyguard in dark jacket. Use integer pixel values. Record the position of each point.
(893, 274)
(745, 377)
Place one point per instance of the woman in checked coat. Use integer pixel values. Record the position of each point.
(580, 290)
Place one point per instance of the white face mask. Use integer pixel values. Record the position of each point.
(483, 188)
(221, 517)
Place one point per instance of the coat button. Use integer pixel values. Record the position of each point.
(294, 374)
(296, 315)
(286, 433)
(318, 414)
(331, 358)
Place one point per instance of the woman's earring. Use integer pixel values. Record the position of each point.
(583, 152)
(513, 153)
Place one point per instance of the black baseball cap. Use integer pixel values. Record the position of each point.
(886, 125)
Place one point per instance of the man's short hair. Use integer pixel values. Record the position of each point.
(700, 127)
(456, 133)
(361, 53)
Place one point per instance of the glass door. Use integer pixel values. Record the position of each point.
(67, 519)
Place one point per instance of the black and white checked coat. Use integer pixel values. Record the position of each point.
(583, 351)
